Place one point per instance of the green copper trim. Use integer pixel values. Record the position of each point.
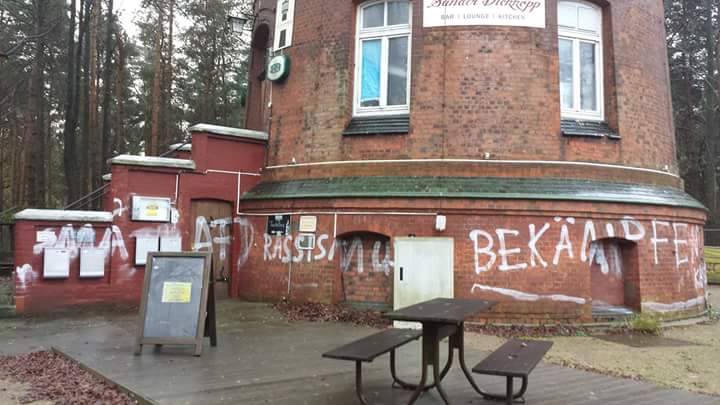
(552, 189)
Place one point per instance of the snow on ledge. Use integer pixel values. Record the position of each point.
(152, 161)
(64, 216)
(107, 177)
(180, 147)
(229, 131)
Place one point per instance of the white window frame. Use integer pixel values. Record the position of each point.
(286, 25)
(577, 36)
(384, 34)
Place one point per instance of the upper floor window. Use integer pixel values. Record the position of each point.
(382, 76)
(284, 15)
(580, 50)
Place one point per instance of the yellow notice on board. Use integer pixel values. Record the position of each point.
(176, 293)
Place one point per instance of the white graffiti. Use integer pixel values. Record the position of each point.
(523, 296)
(512, 257)
(68, 238)
(119, 209)
(352, 252)
(25, 275)
(676, 306)
(204, 239)
(247, 239)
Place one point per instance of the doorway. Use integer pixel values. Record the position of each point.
(423, 271)
(212, 223)
(613, 270)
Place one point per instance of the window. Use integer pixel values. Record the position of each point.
(382, 76)
(284, 15)
(580, 50)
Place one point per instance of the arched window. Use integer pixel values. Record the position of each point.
(581, 68)
(382, 75)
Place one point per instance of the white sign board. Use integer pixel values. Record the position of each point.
(515, 13)
(45, 236)
(171, 244)
(308, 223)
(143, 246)
(92, 262)
(152, 209)
(56, 263)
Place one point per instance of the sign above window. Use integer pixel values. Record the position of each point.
(515, 13)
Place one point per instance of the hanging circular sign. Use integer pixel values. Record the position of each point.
(278, 68)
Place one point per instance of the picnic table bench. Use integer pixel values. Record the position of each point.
(514, 359)
(369, 348)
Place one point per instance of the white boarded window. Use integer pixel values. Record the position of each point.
(580, 51)
(382, 58)
(284, 16)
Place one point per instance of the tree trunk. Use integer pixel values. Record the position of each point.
(94, 136)
(85, 123)
(157, 84)
(34, 128)
(710, 114)
(119, 136)
(70, 160)
(106, 135)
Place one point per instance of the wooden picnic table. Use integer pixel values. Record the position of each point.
(440, 318)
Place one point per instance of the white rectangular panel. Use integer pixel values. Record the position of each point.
(171, 244)
(56, 263)
(423, 271)
(143, 246)
(530, 13)
(151, 209)
(92, 262)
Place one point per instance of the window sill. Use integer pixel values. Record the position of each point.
(377, 125)
(587, 129)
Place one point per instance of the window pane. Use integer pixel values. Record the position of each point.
(374, 16)
(588, 77)
(566, 74)
(589, 19)
(285, 8)
(397, 71)
(370, 77)
(567, 15)
(398, 12)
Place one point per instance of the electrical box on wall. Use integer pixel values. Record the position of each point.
(151, 209)
(56, 263)
(92, 262)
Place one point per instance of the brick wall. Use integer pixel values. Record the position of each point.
(550, 283)
(219, 159)
(474, 90)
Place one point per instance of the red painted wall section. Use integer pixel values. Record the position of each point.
(233, 158)
(120, 284)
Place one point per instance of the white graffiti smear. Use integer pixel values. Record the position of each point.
(523, 296)
(247, 239)
(501, 246)
(25, 275)
(85, 237)
(676, 306)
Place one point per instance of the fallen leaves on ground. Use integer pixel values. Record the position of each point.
(332, 313)
(52, 377)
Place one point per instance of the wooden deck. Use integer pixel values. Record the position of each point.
(261, 359)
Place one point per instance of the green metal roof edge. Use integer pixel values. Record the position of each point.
(607, 192)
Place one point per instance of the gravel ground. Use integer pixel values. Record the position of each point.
(693, 366)
(48, 378)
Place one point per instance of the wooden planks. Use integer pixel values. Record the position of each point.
(516, 358)
(441, 310)
(370, 347)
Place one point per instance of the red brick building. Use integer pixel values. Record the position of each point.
(514, 150)
(528, 144)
